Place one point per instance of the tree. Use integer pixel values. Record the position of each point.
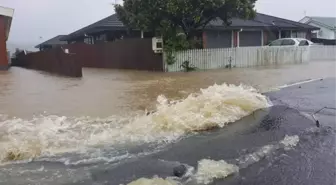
(16, 53)
(169, 17)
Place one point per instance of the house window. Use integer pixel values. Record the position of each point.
(101, 37)
(298, 34)
(88, 40)
(285, 34)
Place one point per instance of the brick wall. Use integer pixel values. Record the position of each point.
(3, 50)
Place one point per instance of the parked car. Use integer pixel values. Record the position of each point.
(291, 42)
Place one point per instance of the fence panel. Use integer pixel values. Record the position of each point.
(320, 53)
(204, 59)
(123, 54)
(53, 61)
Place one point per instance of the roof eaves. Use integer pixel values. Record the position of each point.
(309, 18)
(298, 24)
(321, 24)
(97, 24)
(59, 37)
(269, 25)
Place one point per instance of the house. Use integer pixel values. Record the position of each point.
(327, 26)
(256, 32)
(105, 30)
(51, 43)
(6, 15)
(259, 31)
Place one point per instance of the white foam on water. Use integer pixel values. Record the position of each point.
(154, 181)
(254, 157)
(209, 170)
(290, 141)
(215, 106)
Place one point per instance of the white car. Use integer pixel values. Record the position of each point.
(291, 42)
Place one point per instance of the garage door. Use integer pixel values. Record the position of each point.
(250, 38)
(218, 39)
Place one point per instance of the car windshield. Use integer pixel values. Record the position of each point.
(288, 42)
(276, 43)
(303, 43)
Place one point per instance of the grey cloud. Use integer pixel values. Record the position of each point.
(38, 20)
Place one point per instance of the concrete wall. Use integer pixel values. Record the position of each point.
(324, 33)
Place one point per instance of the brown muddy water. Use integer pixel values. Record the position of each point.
(102, 116)
(102, 92)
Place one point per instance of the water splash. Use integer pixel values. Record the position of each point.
(290, 141)
(154, 181)
(209, 170)
(214, 107)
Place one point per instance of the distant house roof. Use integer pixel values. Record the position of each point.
(329, 22)
(260, 21)
(264, 21)
(109, 23)
(54, 41)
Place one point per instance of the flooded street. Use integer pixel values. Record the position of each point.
(103, 93)
(94, 130)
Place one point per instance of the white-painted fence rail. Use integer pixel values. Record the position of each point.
(204, 59)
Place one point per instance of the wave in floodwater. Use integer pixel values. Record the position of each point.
(209, 170)
(213, 107)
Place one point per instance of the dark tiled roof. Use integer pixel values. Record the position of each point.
(260, 21)
(111, 22)
(54, 41)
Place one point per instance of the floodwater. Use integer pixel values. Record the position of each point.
(102, 93)
(60, 130)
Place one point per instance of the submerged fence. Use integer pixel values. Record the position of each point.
(204, 59)
(53, 61)
(134, 54)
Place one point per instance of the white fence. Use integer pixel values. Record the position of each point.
(322, 53)
(249, 57)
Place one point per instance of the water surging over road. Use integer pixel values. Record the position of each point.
(213, 107)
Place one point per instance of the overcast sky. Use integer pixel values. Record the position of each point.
(38, 20)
